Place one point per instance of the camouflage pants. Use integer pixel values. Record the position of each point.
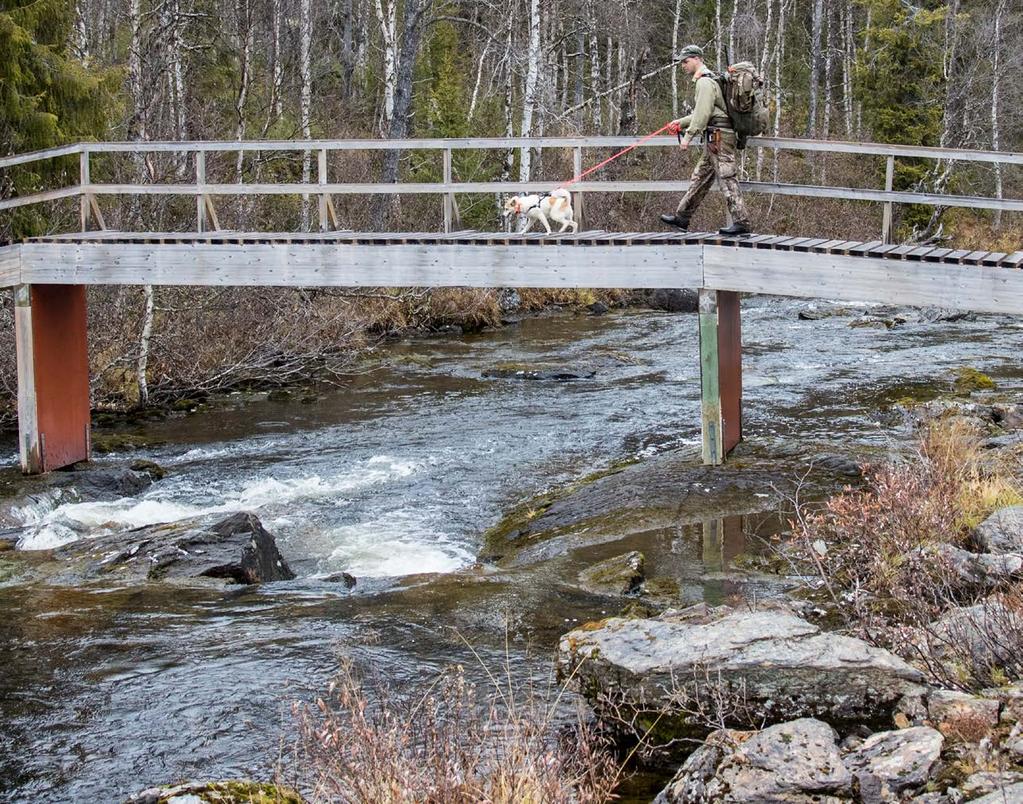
(722, 165)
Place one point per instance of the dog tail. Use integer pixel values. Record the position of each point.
(562, 193)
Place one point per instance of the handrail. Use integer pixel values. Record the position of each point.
(88, 190)
(490, 143)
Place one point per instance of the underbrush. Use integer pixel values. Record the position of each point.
(895, 559)
(447, 741)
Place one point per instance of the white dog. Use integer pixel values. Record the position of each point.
(555, 207)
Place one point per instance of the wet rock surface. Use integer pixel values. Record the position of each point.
(779, 665)
(893, 761)
(234, 791)
(237, 550)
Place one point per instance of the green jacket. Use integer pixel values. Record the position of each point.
(709, 106)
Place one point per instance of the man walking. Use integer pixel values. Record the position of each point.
(709, 118)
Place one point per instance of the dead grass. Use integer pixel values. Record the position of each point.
(445, 741)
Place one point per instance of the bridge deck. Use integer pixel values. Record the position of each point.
(805, 267)
(762, 242)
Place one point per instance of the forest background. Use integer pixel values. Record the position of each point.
(928, 73)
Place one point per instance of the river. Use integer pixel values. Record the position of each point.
(106, 689)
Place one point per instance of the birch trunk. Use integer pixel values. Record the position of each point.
(306, 96)
(142, 364)
(245, 58)
(718, 36)
(595, 80)
(848, 63)
(815, 67)
(508, 164)
(779, 59)
(388, 19)
(675, 22)
(731, 33)
(829, 63)
(529, 91)
(277, 71)
(765, 64)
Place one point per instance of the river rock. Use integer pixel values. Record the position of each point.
(1008, 417)
(948, 706)
(775, 664)
(1002, 532)
(979, 634)
(103, 485)
(791, 762)
(621, 575)
(984, 782)
(1013, 794)
(893, 761)
(671, 300)
(237, 549)
(233, 791)
(983, 570)
(539, 371)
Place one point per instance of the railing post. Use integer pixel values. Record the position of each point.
(449, 197)
(83, 181)
(889, 183)
(200, 201)
(577, 197)
(322, 180)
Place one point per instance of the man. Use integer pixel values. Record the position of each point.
(709, 118)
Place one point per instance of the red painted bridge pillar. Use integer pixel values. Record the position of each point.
(53, 376)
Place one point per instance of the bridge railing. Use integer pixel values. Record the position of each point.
(323, 189)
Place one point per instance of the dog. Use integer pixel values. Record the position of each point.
(555, 207)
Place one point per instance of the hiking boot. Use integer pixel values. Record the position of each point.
(675, 220)
(735, 229)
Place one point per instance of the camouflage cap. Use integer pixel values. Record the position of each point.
(689, 52)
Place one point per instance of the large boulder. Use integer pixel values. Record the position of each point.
(233, 791)
(237, 549)
(889, 762)
(983, 571)
(792, 762)
(1013, 794)
(748, 667)
(1002, 532)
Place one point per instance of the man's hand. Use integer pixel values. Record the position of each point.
(683, 144)
(674, 127)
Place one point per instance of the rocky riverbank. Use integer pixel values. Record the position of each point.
(843, 689)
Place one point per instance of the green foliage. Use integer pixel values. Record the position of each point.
(46, 97)
(900, 83)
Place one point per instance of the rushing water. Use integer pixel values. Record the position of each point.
(104, 690)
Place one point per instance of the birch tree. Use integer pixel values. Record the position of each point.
(529, 90)
(306, 96)
(815, 65)
(996, 77)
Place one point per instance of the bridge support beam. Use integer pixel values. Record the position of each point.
(53, 376)
(720, 373)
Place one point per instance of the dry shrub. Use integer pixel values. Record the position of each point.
(447, 743)
(868, 547)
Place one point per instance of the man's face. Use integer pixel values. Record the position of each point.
(691, 65)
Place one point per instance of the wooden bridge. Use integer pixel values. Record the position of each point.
(50, 273)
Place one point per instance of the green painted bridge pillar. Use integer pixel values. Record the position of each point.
(720, 373)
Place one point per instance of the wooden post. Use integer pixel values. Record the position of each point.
(886, 216)
(577, 196)
(449, 198)
(53, 376)
(200, 200)
(720, 373)
(83, 182)
(322, 179)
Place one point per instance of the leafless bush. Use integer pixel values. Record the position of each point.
(447, 743)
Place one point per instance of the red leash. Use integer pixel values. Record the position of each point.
(613, 157)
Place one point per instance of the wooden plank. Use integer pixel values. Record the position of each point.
(808, 245)
(862, 249)
(956, 255)
(880, 251)
(974, 257)
(918, 253)
(937, 254)
(993, 258)
(340, 265)
(10, 266)
(897, 253)
(1014, 260)
(847, 278)
(788, 243)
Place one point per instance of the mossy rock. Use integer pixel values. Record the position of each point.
(621, 575)
(185, 405)
(151, 468)
(232, 791)
(968, 380)
(661, 588)
(279, 395)
(122, 442)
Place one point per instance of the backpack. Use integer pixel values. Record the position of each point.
(742, 88)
